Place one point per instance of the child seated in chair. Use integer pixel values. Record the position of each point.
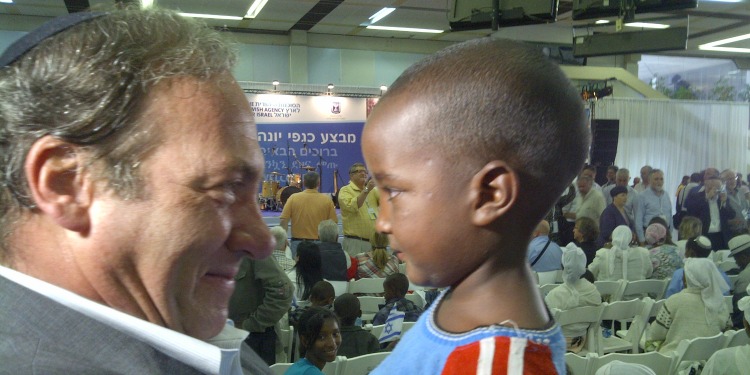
(355, 341)
(321, 295)
(470, 148)
(319, 338)
(396, 286)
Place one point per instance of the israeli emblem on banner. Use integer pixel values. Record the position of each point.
(336, 108)
(393, 326)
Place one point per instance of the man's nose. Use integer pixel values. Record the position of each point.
(249, 234)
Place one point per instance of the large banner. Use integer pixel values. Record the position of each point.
(298, 134)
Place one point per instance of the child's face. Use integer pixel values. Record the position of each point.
(425, 207)
(325, 346)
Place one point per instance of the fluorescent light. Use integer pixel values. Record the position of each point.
(381, 14)
(408, 29)
(714, 46)
(145, 4)
(214, 16)
(647, 25)
(601, 22)
(721, 1)
(6, 1)
(255, 8)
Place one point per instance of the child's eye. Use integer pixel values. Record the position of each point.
(391, 192)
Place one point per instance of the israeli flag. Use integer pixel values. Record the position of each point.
(393, 326)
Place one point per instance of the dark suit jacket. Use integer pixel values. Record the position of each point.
(41, 336)
(611, 218)
(698, 207)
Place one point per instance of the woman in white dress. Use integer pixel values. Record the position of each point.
(574, 292)
(735, 360)
(621, 261)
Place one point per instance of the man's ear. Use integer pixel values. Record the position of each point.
(495, 190)
(58, 184)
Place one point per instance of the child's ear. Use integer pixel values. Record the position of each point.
(58, 182)
(495, 190)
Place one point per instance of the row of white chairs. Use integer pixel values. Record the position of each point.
(371, 305)
(612, 291)
(361, 365)
(365, 286)
(688, 351)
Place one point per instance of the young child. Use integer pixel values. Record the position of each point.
(320, 338)
(321, 295)
(470, 148)
(395, 286)
(355, 341)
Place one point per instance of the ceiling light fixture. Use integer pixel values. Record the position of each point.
(715, 46)
(144, 4)
(255, 8)
(381, 14)
(6, 1)
(646, 25)
(407, 29)
(213, 16)
(602, 22)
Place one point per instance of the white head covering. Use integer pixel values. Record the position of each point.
(574, 264)
(744, 304)
(623, 368)
(621, 237)
(702, 273)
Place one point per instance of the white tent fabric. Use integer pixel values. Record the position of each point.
(678, 137)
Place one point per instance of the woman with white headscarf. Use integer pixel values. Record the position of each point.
(574, 292)
(696, 311)
(734, 360)
(621, 261)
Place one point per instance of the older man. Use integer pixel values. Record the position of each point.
(711, 206)
(589, 202)
(306, 210)
(544, 255)
(737, 223)
(128, 196)
(644, 183)
(359, 202)
(652, 202)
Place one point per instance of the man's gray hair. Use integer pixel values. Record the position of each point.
(88, 86)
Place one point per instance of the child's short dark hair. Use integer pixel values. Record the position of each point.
(347, 307)
(398, 282)
(322, 291)
(312, 321)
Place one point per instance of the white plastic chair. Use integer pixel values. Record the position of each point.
(370, 306)
(579, 365)
(546, 288)
(585, 314)
(621, 311)
(697, 349)
(339, 287)
(280, 368)
(655, 307)
(660, 363)
(728, 303)
(732, 281)
(653, 288)
(286, 337)
(550, 277)
(367, 286)
(727, 265)
(611, 291)
(736, 338)
(363, 364)
(335, 367)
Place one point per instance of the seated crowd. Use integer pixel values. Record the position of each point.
(632, 241)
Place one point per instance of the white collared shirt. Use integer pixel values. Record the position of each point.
(193, 352)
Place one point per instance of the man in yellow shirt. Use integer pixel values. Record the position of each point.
(306, 210)
(359, 202)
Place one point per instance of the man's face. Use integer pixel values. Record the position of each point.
(584, 186)
(171, 257)
(358, 176)
(622, 180)
(644, 175)
(656, 181)
(589, 173)
(729, 178)
(713, 186)
(611, 174)
(411, 197)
